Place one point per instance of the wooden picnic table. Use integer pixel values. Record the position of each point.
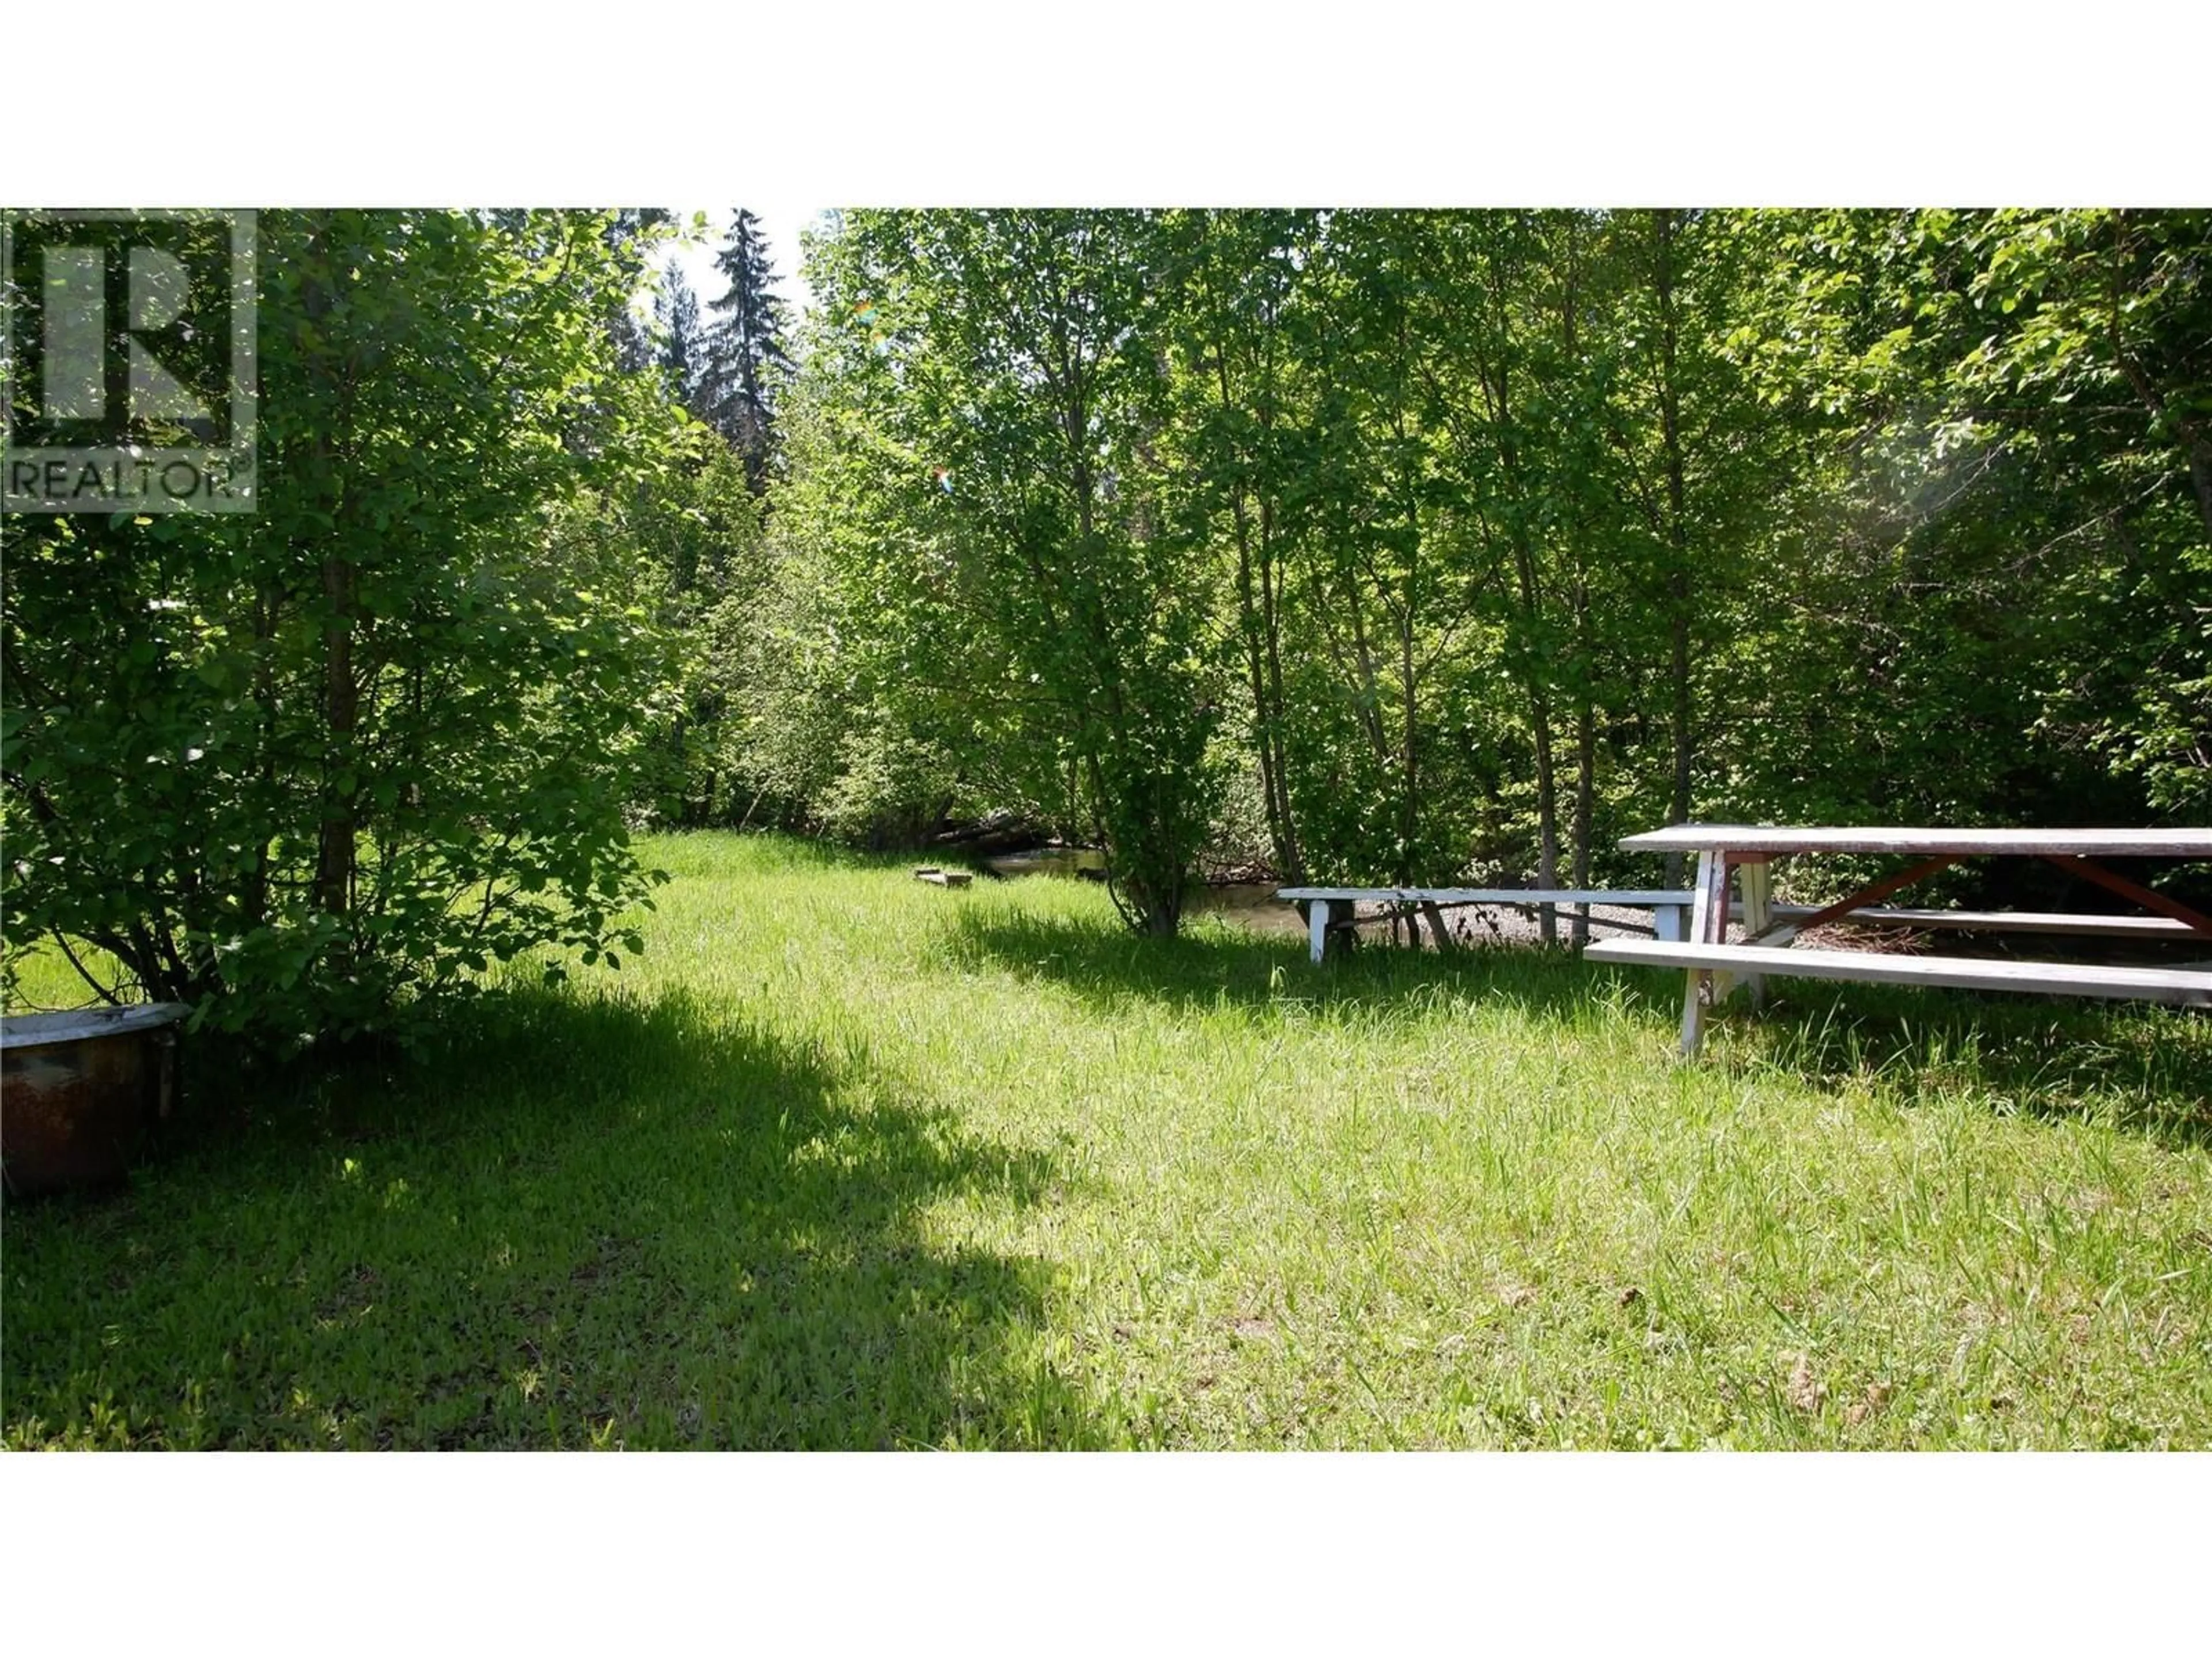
(1740, 856)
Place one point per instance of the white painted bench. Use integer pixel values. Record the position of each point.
(2186, 986)
(1329, 908)
(1740, 856)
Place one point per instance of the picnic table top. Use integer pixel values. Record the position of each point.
(1780, 838)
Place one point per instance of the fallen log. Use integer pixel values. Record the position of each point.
(993, 833)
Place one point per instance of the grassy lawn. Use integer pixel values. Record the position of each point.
(847, 1160)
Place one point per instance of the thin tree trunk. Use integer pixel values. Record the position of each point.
(1256, 618)
(1409, 803)
(1529, 580)
(253, 899)
(334, 844)
(1585, 806)
(1371, 696)
(1257, 615)
(1677, 577)
(1585, 716)
(1548, 821)
(1540, 720)
(1270, 599)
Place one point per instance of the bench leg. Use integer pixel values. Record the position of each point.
(1708, 925)
(1317, 926)
(1756, 881)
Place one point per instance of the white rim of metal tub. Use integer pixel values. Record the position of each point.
(37, 1030)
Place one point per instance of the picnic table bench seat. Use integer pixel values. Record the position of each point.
(2188, 987)
(1740, 856)
(2057, 923)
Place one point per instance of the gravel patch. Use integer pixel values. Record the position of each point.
(1254, 905)
(1505, 924)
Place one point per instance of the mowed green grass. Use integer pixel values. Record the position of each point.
(847, 1160)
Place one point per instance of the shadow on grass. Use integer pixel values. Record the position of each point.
(2150, 1068)
(2146, 1068)
(584, 1220)
(1217, 962)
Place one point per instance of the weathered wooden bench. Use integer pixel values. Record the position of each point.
(1334, 908)
(2186, 986)
(1740, 856)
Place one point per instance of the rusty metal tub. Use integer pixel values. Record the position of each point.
(79, 1091)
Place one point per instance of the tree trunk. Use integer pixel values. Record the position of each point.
(341, 783)
(1547, 822)
(1585, 806)
(1578, 592)
(1294, 868)
(1678, 579)
(1409, 806)
(253, 896)
(1369, 695)
(1257, 616)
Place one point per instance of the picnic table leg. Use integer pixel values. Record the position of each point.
(1755, 876)
(1708, 911)
(1317, 913)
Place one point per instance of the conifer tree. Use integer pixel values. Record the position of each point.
(630, 235)
(682, 347)
(745, 352)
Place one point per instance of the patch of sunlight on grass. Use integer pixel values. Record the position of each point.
(845, 1159)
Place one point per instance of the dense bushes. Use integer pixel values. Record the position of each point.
(1378, 545)
(300, 765)
(1470, 542)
